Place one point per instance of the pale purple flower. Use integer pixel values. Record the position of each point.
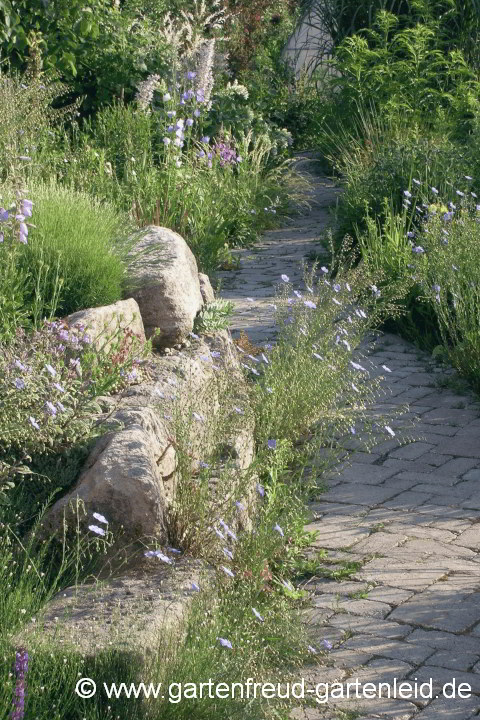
(191, 75)
(407, 193)
(197, 113)
(312, 650)
(59, 387)
(240, 505)
(310, 304)
(19, 383)
(159, 555)
(227, 571)
(297, 293)
(324, 270)
(434, 190)
(228, 553)
(417, 182)
(225, 643)
(260, 490)
(389, 430)
(3, 214)
(285, 278)
(278, 529)
(357, 366)
(219, 533)
(166, 141)
(269, 390)
(51, 370)
(354, 387)
(34, 423)
(97, 530)
(198, 416)
(100, 518)
(239, 411)
(337, 287)
(353, 431)
(328, 644)
(337, 302)
(272, 444)
(257, 614)
(418, 250)
(51, 408)
(21, 669)
(195, 587)
(387, 369)
(27, 207)
(460, 193)
(205, 138)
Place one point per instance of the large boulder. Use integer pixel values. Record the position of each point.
(130, 475)
(164, 281)
(102, 324)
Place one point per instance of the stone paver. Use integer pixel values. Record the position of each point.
(408, 514)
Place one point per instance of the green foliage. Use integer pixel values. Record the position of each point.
(76, 255)
(102, 50)
(214, 316)
(405, 71)
(449, 273)
(50, 380)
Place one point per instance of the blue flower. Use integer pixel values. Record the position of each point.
(278, 529)
(19, 384)
(260, 490)
(227, 571)
(225, 643)
(257, 614)
(100, 518)
(97, 530)
(272, 444)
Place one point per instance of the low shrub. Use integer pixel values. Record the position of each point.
(76, 251)
(49, 382)
(447, 266)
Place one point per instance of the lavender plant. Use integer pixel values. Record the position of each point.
(20, 669)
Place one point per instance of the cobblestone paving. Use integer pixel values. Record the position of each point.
(408, 515)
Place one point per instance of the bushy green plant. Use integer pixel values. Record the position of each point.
(448, 270)
(76, 254)
(214, 316)
(101, 50)
(49, 384)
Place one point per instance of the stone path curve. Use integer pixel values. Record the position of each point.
(408, 516)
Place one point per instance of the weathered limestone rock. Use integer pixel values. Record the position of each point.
(102, 323)
(133, 613)
(130, 474)
(206, 288)
(164, 277)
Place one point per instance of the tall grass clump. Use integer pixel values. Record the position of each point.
(76, 255)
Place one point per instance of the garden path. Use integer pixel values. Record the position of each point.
(407, 517)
